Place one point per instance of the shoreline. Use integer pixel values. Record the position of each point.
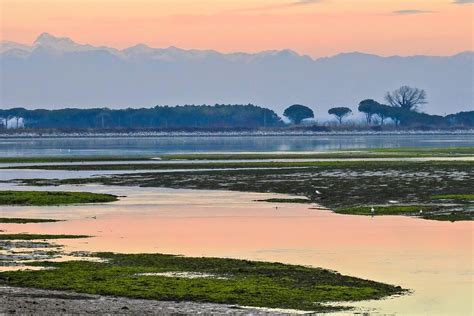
(257, 133)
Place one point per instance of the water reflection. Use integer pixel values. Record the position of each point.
(70, 146)
(432, 258)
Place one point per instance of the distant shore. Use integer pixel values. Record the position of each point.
(259, 133)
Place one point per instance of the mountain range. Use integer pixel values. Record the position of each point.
(56, 72)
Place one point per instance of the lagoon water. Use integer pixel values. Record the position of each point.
(433, 259)
(126, 146)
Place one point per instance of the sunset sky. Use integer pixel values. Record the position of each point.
(317, 28)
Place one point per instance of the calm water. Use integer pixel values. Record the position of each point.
(434, 259)
(158, 145)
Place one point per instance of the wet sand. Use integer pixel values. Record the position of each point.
(25, 301)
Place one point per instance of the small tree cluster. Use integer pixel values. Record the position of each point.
(403, 103)
(372, 108)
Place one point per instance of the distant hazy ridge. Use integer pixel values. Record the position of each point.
(57, 73)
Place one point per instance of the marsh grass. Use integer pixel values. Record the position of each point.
(453, 216)
(461, 197)
(388, 210)
(70, 159)
(430, 212)
(10, 220)
(279, 200)
(358, 153)
(405, 152)
(448, 151)
(47, 198)
(341, 184)
(236, 165)
(247, 283)
(38, 236)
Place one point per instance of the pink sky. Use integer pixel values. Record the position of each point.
(317, 28)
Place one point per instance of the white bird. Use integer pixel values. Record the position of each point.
(372, 210)
(421, 211)
(317, 192)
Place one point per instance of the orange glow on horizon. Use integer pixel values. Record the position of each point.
(316, 28)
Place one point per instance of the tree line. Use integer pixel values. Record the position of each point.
(401, 110)
(160, 117)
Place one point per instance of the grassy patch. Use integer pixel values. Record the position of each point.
(232, 165)
(387, 210)
(441, 151)
(431, 212)
(261, 156)
(454, 216)
(277, 200)
(406, 152)
(188, 166)
(69, 159)
(248, 283)
(367, 153)
(9, 220)
(43, 198)
(38, 236)
(462, 197)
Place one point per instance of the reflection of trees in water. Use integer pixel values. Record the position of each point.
(183, 144)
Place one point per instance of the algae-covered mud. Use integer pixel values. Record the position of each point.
(226, 281)
(37, 236)
(4, 220)
(400, 217)
(430, 258)
(430, 189)
(39, 198)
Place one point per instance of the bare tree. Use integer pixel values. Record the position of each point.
(406, 97)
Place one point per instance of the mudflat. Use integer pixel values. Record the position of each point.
(27, 301)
